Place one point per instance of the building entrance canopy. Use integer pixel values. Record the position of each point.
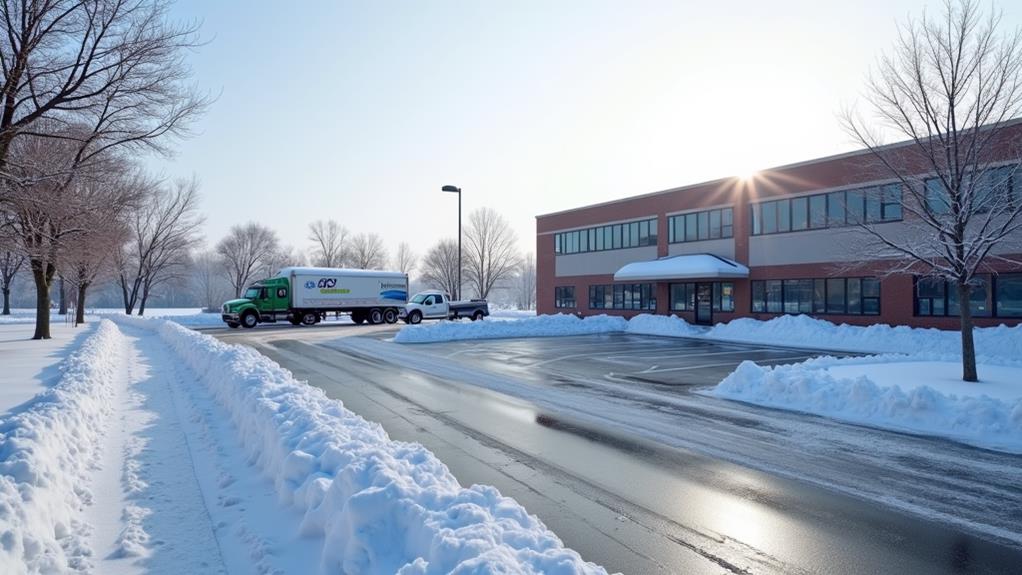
(694, 266)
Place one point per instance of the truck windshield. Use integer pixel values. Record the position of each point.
(252, 293)
(419, 298)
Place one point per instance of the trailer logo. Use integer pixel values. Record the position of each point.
(327, 282)
(310, 285)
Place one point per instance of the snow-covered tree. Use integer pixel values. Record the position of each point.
(246, 250)
(367, 252)
(330, 243)
(950, 86)
(490, 250)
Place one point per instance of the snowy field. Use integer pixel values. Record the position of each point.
(31, 367)
(914, 391)
(161, 449)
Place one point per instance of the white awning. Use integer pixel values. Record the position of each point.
(694, 266)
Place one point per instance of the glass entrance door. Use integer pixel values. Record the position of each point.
(704, 303)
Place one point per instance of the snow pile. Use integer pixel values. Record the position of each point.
(802, 330)
(667, 325)
(381, 506)
(540, 326)
(47, 453)
(977, 419)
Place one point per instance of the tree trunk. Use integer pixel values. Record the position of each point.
(7, 301)
(43, 276)
(80, 309)
(968, 344)
(63, 297)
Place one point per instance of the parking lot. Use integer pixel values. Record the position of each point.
(677, 363)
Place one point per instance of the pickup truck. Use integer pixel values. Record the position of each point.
(435, 304)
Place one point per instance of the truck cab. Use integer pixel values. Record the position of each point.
(262, 301)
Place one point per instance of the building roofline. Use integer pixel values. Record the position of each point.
(830, 158)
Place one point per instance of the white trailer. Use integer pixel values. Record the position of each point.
(368, 295)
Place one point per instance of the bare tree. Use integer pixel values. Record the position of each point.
(48, 212)
(405, 261)
(440, 266)
(490, 250)
(525, 282)
(91, 257)
(114, 65)
(244, 251)
(208, 280)
(280, 258)
(330, 241)
(367, 252)
(951, 85)
(163, 229)
(11, 261)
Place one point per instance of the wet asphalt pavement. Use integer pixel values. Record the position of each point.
(700, 485)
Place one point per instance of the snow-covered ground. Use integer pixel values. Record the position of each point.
(918, 390)
(894, 392)
(30, 367)
(162, 449)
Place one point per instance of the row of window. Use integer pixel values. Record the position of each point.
(992, 296)
(834, 209)
(609, 237)
(623, 296)
(706, 225)
(995, 186)
(564, 296)
(684, 296)
(845, 296)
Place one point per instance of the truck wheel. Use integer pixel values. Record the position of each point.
(390, 315)
(233, 324)
(375, 316)
(295, 320)
(415, 317)
(358, 317)
(249, 319)
(310, 318)
(478, 315)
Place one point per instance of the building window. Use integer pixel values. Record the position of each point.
(991, 188)
(609, 237)
(937, 297)
(683, 296)
(564, 296)
(874, 204)
(1009, 295)
(623, 296)
(697, 226)
(841, 296)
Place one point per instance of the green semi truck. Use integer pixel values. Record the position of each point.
(304, 295)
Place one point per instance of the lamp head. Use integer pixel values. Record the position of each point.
(451, 189)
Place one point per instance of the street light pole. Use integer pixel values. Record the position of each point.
(457, 190)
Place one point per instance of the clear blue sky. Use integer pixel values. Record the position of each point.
(361, 111)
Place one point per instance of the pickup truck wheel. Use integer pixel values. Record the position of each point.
(415, 317)
(310, 318)
(249, 319)
(390, 315)
(233, 324)
(375, 316)
(478, 315)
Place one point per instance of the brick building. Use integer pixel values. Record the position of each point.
(784, 241)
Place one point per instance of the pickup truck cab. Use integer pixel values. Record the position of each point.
(435, 304)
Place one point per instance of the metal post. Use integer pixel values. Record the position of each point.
(459, 244)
